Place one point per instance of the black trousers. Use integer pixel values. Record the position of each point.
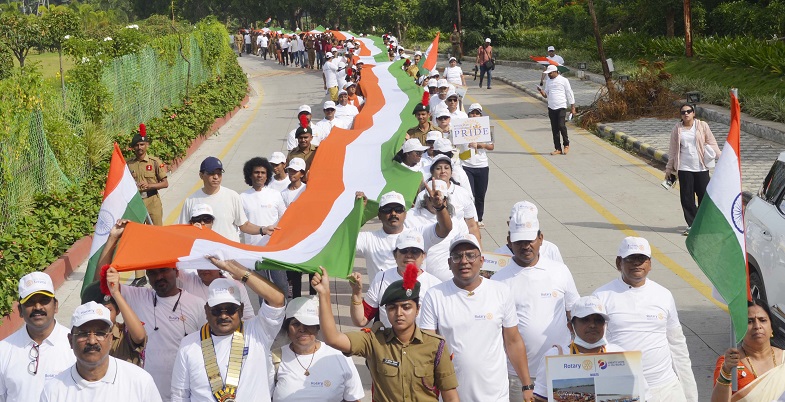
(478, 180)
(559, 127)
(263, 51)
(296, 281)
(692, 184)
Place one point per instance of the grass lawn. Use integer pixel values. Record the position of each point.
(748, 80)
(48, 63)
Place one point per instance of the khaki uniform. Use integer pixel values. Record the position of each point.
(455, 40)
(150, 170)
(123, 347)
(307, 156)
(404, 372)
(415, 132)
(412, 70)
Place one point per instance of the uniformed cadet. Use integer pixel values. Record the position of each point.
(423, 114)
(150, 175)
(406, 364)
(305, 150)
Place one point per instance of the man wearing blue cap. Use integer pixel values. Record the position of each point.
(226, 204)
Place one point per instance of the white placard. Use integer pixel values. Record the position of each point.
(494, 262)
(472, 129)
(600, 377)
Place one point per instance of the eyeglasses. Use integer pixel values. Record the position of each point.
(443, 118)
(229, 310)
(636, 259)
(413, 251)
(418, 153)
(398, 209)
(83, 336)
(685, 112)
(32, 368)
(452, 100)
(458, 257)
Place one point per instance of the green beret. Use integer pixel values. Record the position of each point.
(93, 293)
(421, 108)
(396, 293)
(303, 130)
(138, 138)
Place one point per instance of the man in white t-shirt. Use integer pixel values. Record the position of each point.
(230, 217)
(97, 376)
(344, 112)
(560, 97)
(330, 76)
(280, 178)
(547, 249)
(451, 102)
(263, 41)
(377, 246)
(642, 316)
(39, 350)
(325, 125)
(544, 292)
(234, 354)
(552, 56)
(476, 316)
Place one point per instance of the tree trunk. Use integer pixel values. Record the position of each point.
(62, 78)
(687, 29)
(606, 72)
(670, 17)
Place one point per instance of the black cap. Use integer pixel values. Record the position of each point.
(396, 293)
(303, 130)
(421, 108)
(211, 164)
(93, 293)
(138, 138)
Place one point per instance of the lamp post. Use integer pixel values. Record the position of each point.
(460, 29)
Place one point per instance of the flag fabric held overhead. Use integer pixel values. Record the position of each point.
(121, 201)
(716, 239)
(544, 61)
(431, 54)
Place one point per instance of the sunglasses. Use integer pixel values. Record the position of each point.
(413, 251)
(443, 118)
(636, 259)
(399, 209)
(452, 100)
(229, 310)
(685, 112)
(204, 220)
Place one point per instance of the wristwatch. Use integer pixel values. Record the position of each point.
(528, 387)
(247, 275)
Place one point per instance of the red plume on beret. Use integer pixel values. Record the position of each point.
(410, 276)
(143, 130)
(102, 281)
(303, 120)
(426, 98)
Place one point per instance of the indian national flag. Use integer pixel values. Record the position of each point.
(268, 20)
(121, 201)
(431, 54)
(321, 227)
(544, 61)
(716, 239)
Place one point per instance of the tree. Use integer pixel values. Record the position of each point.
(19, 33)
(57, 24)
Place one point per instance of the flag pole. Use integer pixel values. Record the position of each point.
(734, 379)
(734, 375)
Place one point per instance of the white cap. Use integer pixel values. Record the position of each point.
(487, 40)
(277, 157)
(588, 305)
(90, 311)
(451, 93)
(451, 59)
(329, 105)
(304, 108)
(525, 206)
(442, 145)
(475, 106)
(433, 73)
(409, 238)
(634, 245)
(441, 185)
(304, 309)
(33, 283)
(413, 144)
(523, 226)
(348, 84)
(400, 47)
(417, 53)
(202, 209)
(438, 158)
(297, 164)
(551, 48)
(433, 135)
(392, 198)
(328, 55)
(223, 290)
(464, 239)
(342, 92)
(443, 83)
(441, 112)
(433, 82)
(551, 68)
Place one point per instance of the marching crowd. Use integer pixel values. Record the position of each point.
(433, 326)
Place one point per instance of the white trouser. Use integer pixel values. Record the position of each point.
(669, 392)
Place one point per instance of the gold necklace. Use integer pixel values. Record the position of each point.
(307, 372)
(749, 362)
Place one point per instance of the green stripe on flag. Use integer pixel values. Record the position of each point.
(714, 247)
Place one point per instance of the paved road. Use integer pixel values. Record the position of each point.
(589, 200)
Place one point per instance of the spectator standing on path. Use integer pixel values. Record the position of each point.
(150, 175)
(238, 42)
(311, 49)
(484, 60)
(560, 96)
(454, 74)
(263, 41)
(692, 148)
(642, 316)
(553, 57)
(247, 42)
(330, 76)
(96, 375)
(477, 168)
(40, 349)
(455, 41)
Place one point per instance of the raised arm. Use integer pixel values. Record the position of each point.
(332, 336)
(132, 322)
(111, 244)
(259, 285)
(357, 310)
(437, 201)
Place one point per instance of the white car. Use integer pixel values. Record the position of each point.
(764, 219)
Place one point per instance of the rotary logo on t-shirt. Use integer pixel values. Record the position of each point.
(658, 316)
(549, 295)
(321, 384)
(483, 317)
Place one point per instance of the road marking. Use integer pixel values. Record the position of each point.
(176, 211)
(666, 261)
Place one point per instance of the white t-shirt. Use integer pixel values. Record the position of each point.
(547, 250)
(463, 201)
(285, 44)
(189, 378)
(330, 70)
(324, 126)
(436, 262)
(559, 91)
(227, 209)
(688, 153)
(556, 58)
(435, 103)
(247, 39)
(457, 114)
(382, 281)
(472, 326)
(638, 320)
(359, 101)
(263, 41)
(541, 382)
(173, 326)
(543, 295)
(190, 282)
(123, 381)
(453, 75)
(344, 115)
(290, 195)
(263, 208)
(333, 377)
(279, 185)
(54, 356)
(377, 248)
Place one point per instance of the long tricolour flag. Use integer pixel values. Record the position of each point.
(544, 61)
(121, 201)
(716, 239)
(432, 54)
(321, 227)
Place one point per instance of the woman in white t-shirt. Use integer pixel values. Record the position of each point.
(460, 197)
(454, 74)
(296, 171)
(476, 166)
(689, 155)
(307, 369)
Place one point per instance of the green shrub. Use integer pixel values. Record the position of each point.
(574, 21)
(6, 62)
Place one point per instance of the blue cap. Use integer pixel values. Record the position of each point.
(211, 164)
